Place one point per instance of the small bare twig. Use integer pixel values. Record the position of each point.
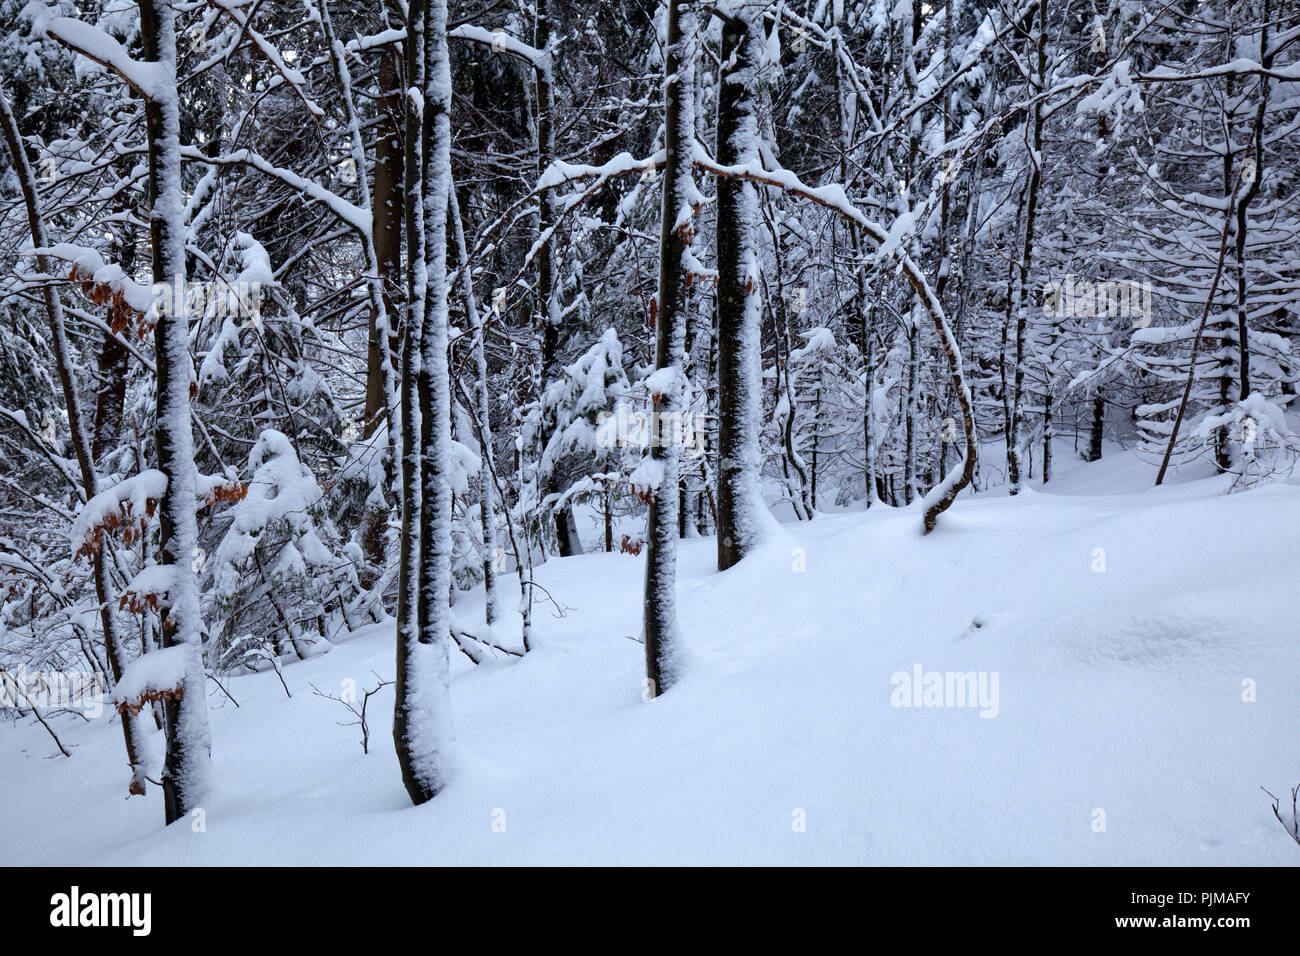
(358, 712)
(213, 678)
(1294, 829)
(36, 712)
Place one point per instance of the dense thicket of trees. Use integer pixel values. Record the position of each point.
(313, 317)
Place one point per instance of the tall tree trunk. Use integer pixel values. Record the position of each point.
(1039, 39)
(186, 769)
(415, 731)
(740, 503)
(911, 35)
(386, 227)
(1252, 188)
(790, 460)
(909, 407)
(435, 418)
(114, 636)
(547, 213)
(482, 415)
(670, 386)
(548, 292)
(865, 315)
(382, 339)
(380, 248)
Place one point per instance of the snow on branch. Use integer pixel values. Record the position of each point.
(104, 283)
(94, 44)
(503, 42)
(156, 676)
(128, 504)
(560, 172)
(1242, 66)
(150, 588)
(287, 74)
(375, 41)
(498, 40)
(18, 417)
(213, 489)
(348, 212)
(131, 503)
(831, 196)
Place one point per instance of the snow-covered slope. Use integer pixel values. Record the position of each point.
(1118, 690)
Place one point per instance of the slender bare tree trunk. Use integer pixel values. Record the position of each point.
(114, 637)
(740, 501)
(1252, 189)
(1037, 82)
(548, 292)
(483, 423)
(433, 697)
(409, 717)
(386, 227)
(670, 385)
(865, 315)
(187, 766)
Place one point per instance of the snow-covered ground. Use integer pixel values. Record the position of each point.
(1120, 676)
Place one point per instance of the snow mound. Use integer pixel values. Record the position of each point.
(1138, 645)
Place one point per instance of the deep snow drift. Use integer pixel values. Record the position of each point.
(1120, 676)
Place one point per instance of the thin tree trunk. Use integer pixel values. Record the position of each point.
(865, 315)
(110, 390)
(1098, 424)
(790, 460)
(548, 293)
(675, 230)
(380, 248)
(433, 704)
(186, 770)
(1047, 434)
(1031, 206)
(418, 760)
(1196, 342)
(740, 501)
(1252, 189)
(114, 637)
(909, 409)
(483, 424)
(386, 227)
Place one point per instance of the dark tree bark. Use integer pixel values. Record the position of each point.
(1047, 431)
(482, 419)
(422, 711)
(114, 635)
(865, 314)
(386, 228)
(739, 499)
(386, 218)
(675, 231)
(1027, 251)
(110, 389)
(408, 573)
(1252, 189)
(548, 292)
(1098, 424)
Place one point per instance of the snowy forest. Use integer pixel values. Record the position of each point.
(679, 423)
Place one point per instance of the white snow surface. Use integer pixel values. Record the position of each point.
(1119, 690)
